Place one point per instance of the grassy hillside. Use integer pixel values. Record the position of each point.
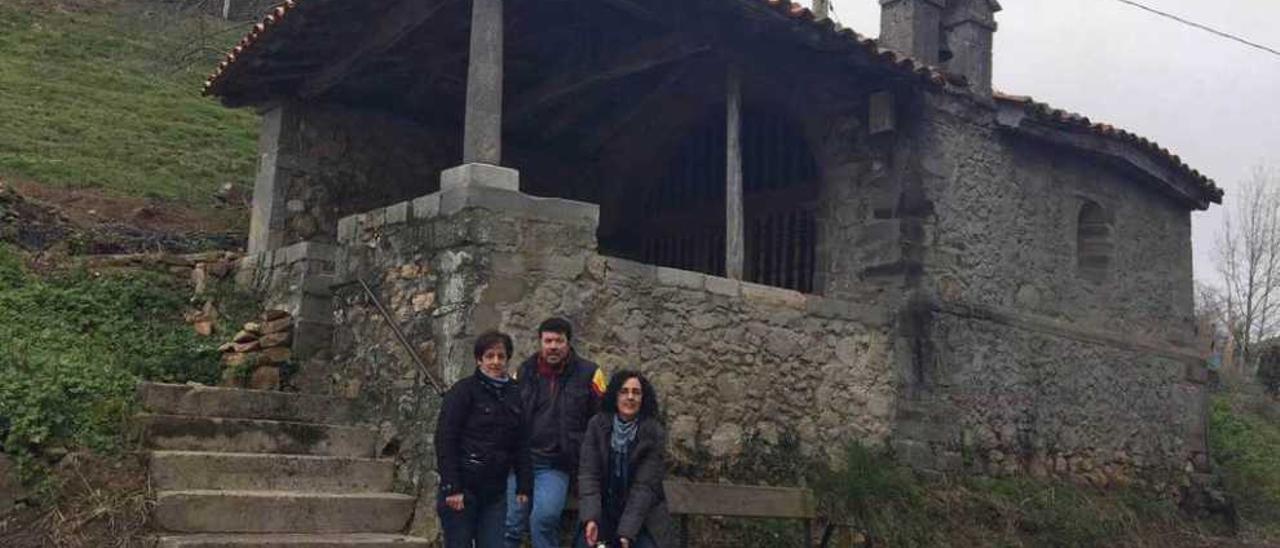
(106, 95)
(1245, 439)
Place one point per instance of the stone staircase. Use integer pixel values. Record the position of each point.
(240, 468)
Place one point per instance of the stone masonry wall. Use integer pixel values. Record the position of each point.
(452, 264)
(321, 162)
(1004, 231)
(1019, 364)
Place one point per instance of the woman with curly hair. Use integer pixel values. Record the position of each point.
(621, 468)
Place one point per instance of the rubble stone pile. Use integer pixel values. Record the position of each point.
(258, 354)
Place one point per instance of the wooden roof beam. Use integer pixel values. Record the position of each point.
(646, 56)
(394, 26)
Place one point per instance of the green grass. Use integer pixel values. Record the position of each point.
(92, 98)
(74, 344)
(1246, 448)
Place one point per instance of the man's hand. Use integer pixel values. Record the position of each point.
(592, 533)
(454, 502)
(522, 499)
(625, 542)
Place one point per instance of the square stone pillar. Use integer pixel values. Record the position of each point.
(267, 217)
(913, 27)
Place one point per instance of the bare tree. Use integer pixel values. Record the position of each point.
(1249, 262)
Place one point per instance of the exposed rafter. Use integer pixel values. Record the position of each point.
(641, 58)
(394, 26)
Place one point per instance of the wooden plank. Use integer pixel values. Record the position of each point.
(734, 236)
(641, 58)
(711, 499)
(393, 27)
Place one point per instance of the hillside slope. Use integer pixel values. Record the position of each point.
(105, 94)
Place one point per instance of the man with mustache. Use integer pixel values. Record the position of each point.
(561, 391)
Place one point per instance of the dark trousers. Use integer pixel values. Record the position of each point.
(479, 524)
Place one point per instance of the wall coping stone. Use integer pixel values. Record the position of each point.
(747, 291)
(453, 200)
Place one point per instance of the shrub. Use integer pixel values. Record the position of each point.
(73, 346)
(875, 493)
(11, 272)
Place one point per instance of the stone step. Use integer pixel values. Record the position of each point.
(185, 470)
(206, 511)
(183, 433)
(211, 401)
(286, 540)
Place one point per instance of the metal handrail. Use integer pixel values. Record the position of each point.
(431, 379)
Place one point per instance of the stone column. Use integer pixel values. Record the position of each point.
(482, 130)
(912, 27)
(969, 27)
(822, 9)
(267, 217)
(733, 231)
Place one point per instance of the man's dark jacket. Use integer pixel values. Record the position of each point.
(646, 501)
(573, 403)
(478, 439)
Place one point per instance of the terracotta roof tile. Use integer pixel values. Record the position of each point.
(890, 59)
(1076, 121)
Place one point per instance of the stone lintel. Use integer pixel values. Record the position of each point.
(882, 117)
(478, 174)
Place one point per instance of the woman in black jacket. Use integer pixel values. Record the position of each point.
(621, 469)
(479, 441)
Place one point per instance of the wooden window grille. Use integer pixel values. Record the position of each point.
(685, 222)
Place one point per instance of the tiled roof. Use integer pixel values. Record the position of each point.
(270, 21)
(897, 62)
(854, 41)
(1071, 120)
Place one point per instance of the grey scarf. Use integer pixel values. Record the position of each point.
(623, 433)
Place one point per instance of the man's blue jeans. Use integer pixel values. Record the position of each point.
(550, 488)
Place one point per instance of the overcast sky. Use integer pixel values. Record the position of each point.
(1214, 102)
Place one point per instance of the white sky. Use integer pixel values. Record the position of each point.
(1214, 102)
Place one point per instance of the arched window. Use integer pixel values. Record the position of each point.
(1094, 243)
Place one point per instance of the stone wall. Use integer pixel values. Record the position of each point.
(1004, 224)
(320, 162)
(1018, 362)
(953, 322)
(452, 264)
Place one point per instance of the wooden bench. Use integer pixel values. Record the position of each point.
(686, 499)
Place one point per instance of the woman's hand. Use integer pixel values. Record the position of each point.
(454, 502)
(522, 499)
(592, 533)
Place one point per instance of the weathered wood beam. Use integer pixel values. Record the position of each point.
(734, 237)
(644, 57)
(624, 118)
(394, 26)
